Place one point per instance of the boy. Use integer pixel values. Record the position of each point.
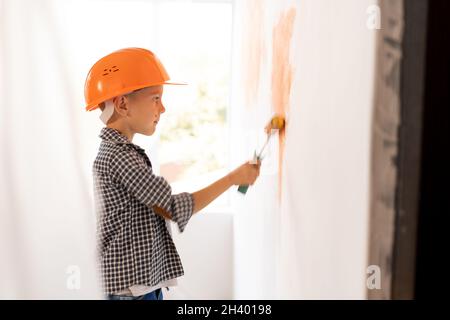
(136, 251)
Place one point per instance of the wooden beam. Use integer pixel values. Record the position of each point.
(385, 124)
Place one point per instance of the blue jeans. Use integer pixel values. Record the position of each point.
(154, 295)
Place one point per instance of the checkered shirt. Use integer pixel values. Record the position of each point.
(134, 244)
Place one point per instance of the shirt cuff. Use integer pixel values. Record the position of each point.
(182, 209)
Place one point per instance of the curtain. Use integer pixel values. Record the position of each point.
(47, 220)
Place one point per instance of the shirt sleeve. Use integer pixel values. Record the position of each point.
(182, 209)
(130, 170)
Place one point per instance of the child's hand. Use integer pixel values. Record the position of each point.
(245, 174)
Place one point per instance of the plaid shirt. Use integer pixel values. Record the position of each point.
(134, 244)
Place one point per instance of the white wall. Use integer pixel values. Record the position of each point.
(312, 244)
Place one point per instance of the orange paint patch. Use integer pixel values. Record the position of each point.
(254, 49)
(282, 76)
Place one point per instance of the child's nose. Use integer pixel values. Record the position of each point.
(162, 108)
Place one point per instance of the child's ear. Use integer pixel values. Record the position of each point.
(121, 104)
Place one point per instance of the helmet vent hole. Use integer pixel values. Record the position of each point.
(109, 70)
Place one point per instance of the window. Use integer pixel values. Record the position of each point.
(193, 138)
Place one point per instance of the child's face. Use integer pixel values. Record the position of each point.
(145, 109)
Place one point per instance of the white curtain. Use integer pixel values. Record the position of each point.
(47, 221)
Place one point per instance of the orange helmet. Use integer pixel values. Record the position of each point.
(121, 72)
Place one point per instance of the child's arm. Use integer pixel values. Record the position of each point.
(206, 195)
(202, 197)
(245, 174)
(129, 171)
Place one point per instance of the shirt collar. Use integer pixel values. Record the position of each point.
(114, 136)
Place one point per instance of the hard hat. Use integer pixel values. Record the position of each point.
(122, 72)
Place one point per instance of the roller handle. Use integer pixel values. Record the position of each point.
(243, 188)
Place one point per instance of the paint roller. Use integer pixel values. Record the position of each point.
(275, 124)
